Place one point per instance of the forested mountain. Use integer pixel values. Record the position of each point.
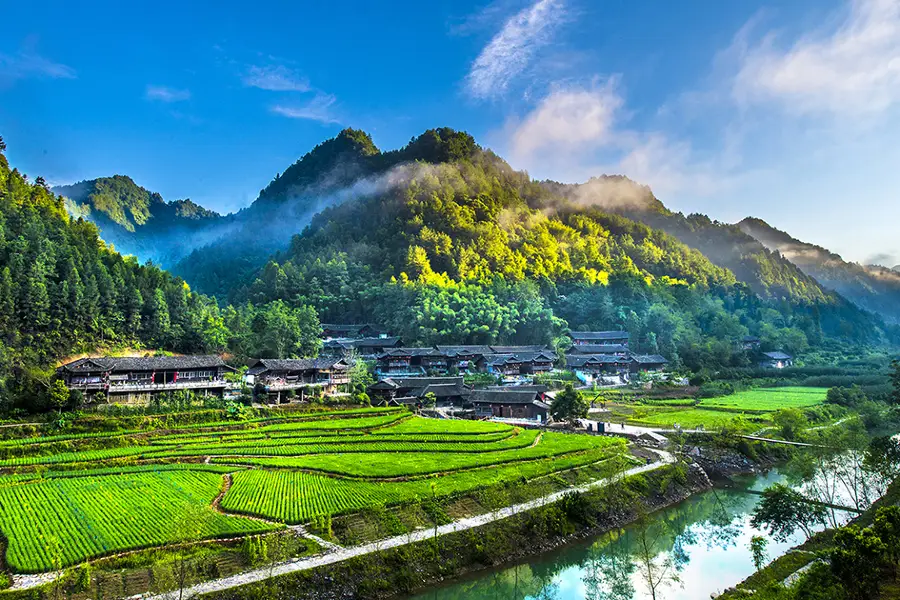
(345, 167)
(64, 291)
(137, 221)
(458, 247)
(872, 287)
(767, 273)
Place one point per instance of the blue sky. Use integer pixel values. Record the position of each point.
(783, 110)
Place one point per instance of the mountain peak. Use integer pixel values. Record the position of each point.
(614, 193)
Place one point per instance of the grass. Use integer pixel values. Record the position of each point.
(692, 418)
(768, 399)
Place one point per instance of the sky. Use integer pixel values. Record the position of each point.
(784, 110)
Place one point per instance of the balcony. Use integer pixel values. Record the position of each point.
(114, 387)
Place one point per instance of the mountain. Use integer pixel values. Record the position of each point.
(345, 167)
(766, 272)
(872, 287)
(62, 291)
(442, 241)
(137, 221)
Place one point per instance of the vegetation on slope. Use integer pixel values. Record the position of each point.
(138, 221)
(63, 291)
(460, 248)
(872, 287)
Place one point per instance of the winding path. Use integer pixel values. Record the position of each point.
(339, 554)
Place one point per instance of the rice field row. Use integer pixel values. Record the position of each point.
(296, 497)
(286, 470)
(390, 465)
(62, 522)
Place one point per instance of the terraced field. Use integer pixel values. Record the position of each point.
(65, 499)
(748, 408)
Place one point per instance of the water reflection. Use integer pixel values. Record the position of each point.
(686, 552)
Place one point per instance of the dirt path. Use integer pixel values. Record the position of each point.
(342, 554)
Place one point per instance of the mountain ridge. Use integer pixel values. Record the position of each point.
(872, 287)
(137, 221)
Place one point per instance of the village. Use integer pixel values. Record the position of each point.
(463, 381)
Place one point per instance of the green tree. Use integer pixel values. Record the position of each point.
(783, 511)
(58, 396)
(569, 405)
(887, 528)
(758, 550)
(895, 382)
(790, 422)
(856, 561)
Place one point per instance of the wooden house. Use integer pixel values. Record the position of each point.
(363, 347)
(776, 360)
(510, 403)
(516, 364)
(464, 359)
(750, 342)
(616, 349)
(276, 377)
(351, 332)
(410, 361)
(588, 368)
(448, 391)
(133, 380)
(580, 338)
(648, 363)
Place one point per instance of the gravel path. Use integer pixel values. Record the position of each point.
(339, 554)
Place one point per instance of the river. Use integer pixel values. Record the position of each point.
(704, 541)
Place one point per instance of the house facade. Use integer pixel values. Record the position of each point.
(448, 391)
(276, 378)
(368, 348)
(134, 380)
(776, 360)
(510, 403)
(581, 338)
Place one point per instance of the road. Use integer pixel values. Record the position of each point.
(343, 554)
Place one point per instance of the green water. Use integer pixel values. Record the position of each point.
(704, 541)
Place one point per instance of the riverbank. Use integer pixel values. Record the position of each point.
(790, 564)
(411, 562)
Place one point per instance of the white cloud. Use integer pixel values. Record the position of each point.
(510, 51)
(26, 64)
(579, 132)
(166, 94)
(275, 78)
(567, 120)
(318, 109)
(852, 69)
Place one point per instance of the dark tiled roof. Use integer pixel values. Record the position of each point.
(504, 397)
(263, 365)
(146, 363)
(443, 390)
(778, 355)
(519, 357)
(408, 351)
(649, 359)
(580, 360)
(599, 335)
(597, 349)
(409, 383)
(517, 349)
(749, 338)
(464, 350)
(387, 342)
(540, 389)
